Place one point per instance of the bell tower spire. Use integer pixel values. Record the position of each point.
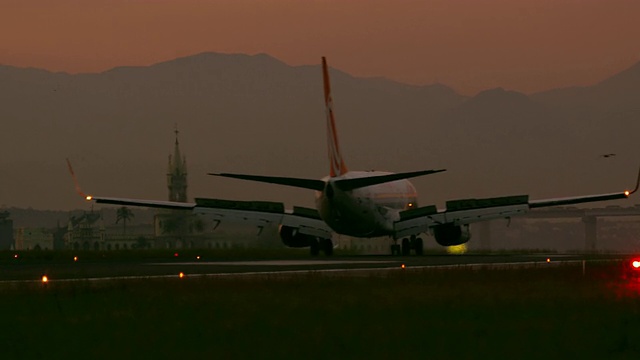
(177, 173)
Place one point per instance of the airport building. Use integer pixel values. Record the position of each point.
(6, 231)
(85, 232)
(34, 239)
(89, 231)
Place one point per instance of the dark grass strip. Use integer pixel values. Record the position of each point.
(549, 313)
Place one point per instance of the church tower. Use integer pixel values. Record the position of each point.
(177, 174)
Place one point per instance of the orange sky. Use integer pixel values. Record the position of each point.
(471, 45)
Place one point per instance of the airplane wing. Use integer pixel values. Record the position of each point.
(306, 221)
(467, 211)
(260, 213)
(145, 203)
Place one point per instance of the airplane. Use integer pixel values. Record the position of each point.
(362, 204)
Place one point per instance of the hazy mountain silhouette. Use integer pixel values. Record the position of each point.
(620, 90)
(256, 114)
(603, 116)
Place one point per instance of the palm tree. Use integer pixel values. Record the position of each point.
(124, 214)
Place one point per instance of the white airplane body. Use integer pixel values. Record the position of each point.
(369, 211)
(362, 204)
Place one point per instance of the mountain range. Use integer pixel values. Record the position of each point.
(256, 114)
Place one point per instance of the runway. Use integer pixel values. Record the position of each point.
(98, 270)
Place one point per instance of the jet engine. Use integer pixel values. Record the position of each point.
(292, 238)
(451, 235)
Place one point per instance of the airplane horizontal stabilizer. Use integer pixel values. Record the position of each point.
(350, 184)
(312, 184)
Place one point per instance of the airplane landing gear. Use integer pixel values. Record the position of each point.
(327, 246)
(408, 244)
(395, 248)
(314, 247)
(318, 244)
(406, 247)
(417, 245)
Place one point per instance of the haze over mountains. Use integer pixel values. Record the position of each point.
(256, 114)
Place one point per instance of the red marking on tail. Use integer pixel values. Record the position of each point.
(75, 180)
(336, 163)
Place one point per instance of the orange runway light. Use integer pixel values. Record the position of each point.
(548, 260)
(89, 197)
(181, 275)
(45, 279)
(198, 257)
(402, 266)
(75, 258)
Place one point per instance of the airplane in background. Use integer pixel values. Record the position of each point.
(362, 204)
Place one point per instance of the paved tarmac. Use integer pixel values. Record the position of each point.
(103, 269)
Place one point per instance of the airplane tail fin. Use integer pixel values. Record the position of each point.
(336, 163)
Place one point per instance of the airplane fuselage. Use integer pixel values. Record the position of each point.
(367, 211)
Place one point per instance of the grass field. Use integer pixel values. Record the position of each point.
(536, 313)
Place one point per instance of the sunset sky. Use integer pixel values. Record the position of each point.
(470, 45)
